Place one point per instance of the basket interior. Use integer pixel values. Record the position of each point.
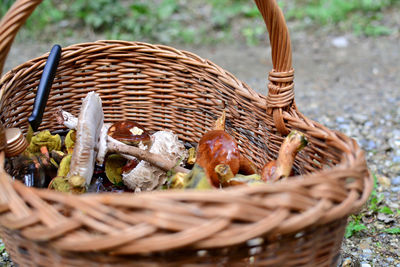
(161, 88)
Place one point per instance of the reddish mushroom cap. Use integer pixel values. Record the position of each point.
(129, 132)
(217, 147)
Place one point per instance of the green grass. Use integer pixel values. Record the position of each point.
(354, 226)
(374, 206)
(198, 21)
(393, 231)
(363, 17)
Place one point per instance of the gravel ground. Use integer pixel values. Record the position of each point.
(346, 83)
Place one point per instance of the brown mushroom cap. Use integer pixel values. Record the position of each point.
(129, 132)
(130, 165)
(214, 148)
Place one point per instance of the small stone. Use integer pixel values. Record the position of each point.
(395, 168)
(340, 119)
(340, 42)
(365, 244)
(393, 205)
(396, 189)
(369, 124)
(360, 118)
(385, 218)
(396, 180)
(367, 251)
(379, 226)
(384, 181)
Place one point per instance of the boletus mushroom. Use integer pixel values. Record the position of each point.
(129, 132)
(147, 176)
(217, 147)
(214, 148)
(282, 166)
(227, 178)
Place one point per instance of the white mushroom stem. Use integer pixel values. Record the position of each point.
(67, 119)
(88, 129)
(71, 122)
(102, 144)
(154, 159)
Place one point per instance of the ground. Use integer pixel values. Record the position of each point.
(353, 88)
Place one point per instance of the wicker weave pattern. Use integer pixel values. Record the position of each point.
(301, 221)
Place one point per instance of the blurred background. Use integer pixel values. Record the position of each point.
(229, 32)
(324, 33)
(201, 22)
(346, 56)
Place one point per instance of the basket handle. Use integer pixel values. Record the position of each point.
(11, 23)
(280, 89)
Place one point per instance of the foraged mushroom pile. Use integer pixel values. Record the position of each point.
(95, 156)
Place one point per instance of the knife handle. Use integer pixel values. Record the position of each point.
(45, 83)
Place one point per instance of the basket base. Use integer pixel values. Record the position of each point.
(315, 246)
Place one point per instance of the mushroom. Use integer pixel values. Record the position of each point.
(129, 132)
(71, 122)
(250, 180)
(191, 159)
(198, 179)
(147, 175)
(109, 144)
(227, 178)
(65, 118)
(118, 130)
(88, 128)
(246, 166)
(217, 147)
(155, 159)
(102, 144)
(224, 174)
(282, 166)
(113, 168)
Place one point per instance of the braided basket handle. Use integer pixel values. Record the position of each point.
(281, 87)
(11, 23)
(280, 93)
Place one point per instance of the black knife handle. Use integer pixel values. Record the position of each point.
(43, 91)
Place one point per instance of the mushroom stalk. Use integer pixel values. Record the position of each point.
(154, 159)
(90, 122)
(65, 118)
(282, 167)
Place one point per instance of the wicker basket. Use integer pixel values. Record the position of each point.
(299, 222)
